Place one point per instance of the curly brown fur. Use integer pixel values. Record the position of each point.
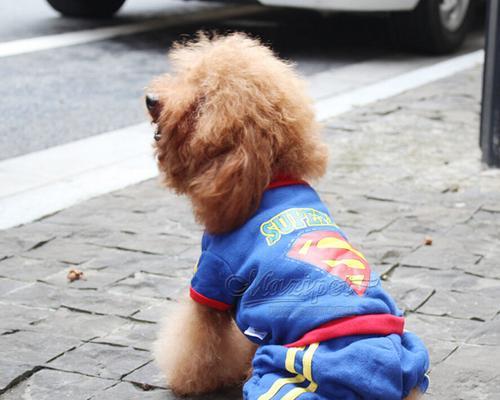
(201, 350)
(232, 117)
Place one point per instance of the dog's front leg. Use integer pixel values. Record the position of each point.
(200, 350)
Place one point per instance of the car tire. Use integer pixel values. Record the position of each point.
(87, 8)
(427, 29)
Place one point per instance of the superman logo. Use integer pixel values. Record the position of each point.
(331, 252)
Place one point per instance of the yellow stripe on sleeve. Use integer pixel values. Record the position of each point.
(290, 359)
(275, 388)
(290, 367)
(307, 361)
(296, 392)
(307, 364)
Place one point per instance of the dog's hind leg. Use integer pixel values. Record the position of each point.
(415, 394)
(200, 350)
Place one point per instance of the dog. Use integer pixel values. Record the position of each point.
(277, 281)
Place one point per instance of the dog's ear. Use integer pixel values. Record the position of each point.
(230, 188)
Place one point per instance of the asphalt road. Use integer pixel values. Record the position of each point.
(60, 95)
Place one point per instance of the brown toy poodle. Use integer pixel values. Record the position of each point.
(236, 133)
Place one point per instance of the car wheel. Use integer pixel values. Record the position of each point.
(435, 26)
(87, 8)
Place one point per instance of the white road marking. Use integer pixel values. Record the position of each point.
(47, 181)
(344, 102)
(44, 182)
(23, 46)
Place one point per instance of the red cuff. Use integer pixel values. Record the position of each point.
(199, 298)
(370, 324)
(285, 180)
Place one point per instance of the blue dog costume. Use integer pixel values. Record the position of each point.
(325, 326)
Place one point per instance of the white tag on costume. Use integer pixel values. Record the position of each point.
(255, 333)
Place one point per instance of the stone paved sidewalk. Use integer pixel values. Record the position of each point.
(401, 170)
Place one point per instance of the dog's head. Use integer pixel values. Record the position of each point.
(230, 118)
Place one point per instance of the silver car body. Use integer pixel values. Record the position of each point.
(346, 5)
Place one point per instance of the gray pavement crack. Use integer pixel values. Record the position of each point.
(125, 317)
(387, 274)
(146, 387)
(480, 258)
(127, 249)
(378, 230)
(135, 369)
(128, 232)
(78, 373)
(475, 274)
(41, 243)
(133, 319)
(63, 353)
(421, 304)
(489, 210)
(47, 216)
(447, 356)
(20, 378)
(470, 217)
(163, 275)
(3, 258)
(80, 310)
(376, 198)
(111, 344)
(446, 315)
(131, 275)
(420, 267)
(10, 332)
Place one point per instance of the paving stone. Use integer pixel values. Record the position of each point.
(152, 244)
(14, 241)
(443, 254)
(149, 285)
(493, 208)
(139, 335)
(65, 250)
(11, 371)
(156, 312)
(487, 266)
(36, 294)
(173, 267)
(452, 279)
(149, 375)
(377, 250)
(84, 326)
(84, 300)
(91, 279)
(10, 285)
(103, 302)
(126, 390)
(441, 335)
(29, 270)
(408, 297)
(18, 317)
(486, 334)
(101, 360)
(34, 348)
(444, 329)
(482, 304)
(469, 373)
(481, 244)
(125, 262)
(401, 234)
(48, 385)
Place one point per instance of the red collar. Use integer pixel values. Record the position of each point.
(285, 180)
